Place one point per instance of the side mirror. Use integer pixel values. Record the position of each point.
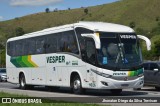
(148, 42)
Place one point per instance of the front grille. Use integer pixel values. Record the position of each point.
(124, 78)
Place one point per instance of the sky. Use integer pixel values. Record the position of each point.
(10, 9)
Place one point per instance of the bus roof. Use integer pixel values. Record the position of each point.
(95, 26)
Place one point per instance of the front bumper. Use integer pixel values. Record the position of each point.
(108, 83)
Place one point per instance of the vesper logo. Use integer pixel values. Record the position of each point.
(115, 74)
(56, 59)
(128, 36)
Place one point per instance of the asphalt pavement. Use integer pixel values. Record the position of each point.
(41, 91)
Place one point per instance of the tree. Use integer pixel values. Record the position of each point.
(56, 10)
(156, 30)
(157, 18)
(157, 48)
(47, 10)
(132, 24)
(86, 10)
(1, 46)
(19, 31)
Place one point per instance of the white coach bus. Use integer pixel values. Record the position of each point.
(83, 55)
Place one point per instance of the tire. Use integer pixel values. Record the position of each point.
(116, 91)
(76, 85)
(157, 88)
(0, 79)
(22, 82)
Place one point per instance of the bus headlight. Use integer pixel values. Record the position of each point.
(101, 74)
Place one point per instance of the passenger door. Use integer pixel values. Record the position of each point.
(91, 62)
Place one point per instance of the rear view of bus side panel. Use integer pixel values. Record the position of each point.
(12, 74)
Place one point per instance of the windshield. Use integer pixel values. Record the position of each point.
(119, 51)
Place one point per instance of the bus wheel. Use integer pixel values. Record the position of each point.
(77, 85)
(0, 79)
(157, 88)
(22, 82)
(116, 91)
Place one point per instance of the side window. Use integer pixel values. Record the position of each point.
(40, 45)
(51, 44)
(90, 51)
(59, 42)
(32, 46)
(12, 49)
(80, 31)
(146, 66)
(73, 43)
(26, 47)
(19, 47)
(9, 48)
(68, 42)
(153, 66)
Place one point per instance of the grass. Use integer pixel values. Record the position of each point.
(142, 12)
(3, 94)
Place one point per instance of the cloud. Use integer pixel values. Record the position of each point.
(33, 2)
(1, 18)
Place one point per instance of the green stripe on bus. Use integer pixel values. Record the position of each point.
(23, 61)
(135, 72)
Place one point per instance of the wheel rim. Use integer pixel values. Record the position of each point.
(77, 84)
(22, 82)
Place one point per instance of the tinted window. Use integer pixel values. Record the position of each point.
(146, 66)
(8, 48)
(51, 44)
(58, 42)
(19, 47)
(68, 42)
(81, 39)
(40, 45)
(32, 46)
(12, 51)
(3, 71)
(153, 66)
(90, 51)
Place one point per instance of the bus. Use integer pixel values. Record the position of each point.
(83, 55)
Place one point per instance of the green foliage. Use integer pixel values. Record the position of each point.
(86, 10)
(156, 30)
(1, 46)
(47, 10)
(132, 24)
(142, 15)
(157, 18)
(157, 48)
(19, 31)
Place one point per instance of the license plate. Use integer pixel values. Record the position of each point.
(125, 85)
